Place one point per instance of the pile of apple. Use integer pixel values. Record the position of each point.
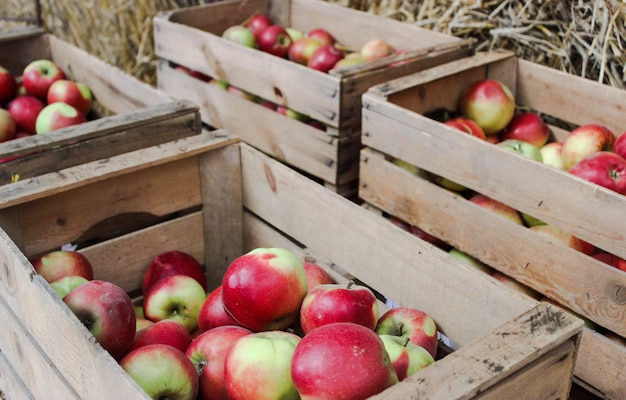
(276, 327)
(42, 99)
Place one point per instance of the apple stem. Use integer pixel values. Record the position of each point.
(70, 75)
(350, 284)
(406, 341)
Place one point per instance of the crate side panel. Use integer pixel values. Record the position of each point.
(217, 17)
(18, 50)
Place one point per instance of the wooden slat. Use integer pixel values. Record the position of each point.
(19, 48)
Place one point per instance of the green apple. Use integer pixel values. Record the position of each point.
(241, 35)
(63, 286)
(522, 148)
(407, 358)
(469, 260)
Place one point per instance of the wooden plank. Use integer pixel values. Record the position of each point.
(11, 387)
(19, 48)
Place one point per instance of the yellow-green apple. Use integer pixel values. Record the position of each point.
(258, 366)
(466, 125)
(176, 297)
(412, 169)
(603, 168)
(241, 35)
(208, 352)
(376, 49)
(57, 264)
(25, 110)
(325, 58)
(489, 103)
(258, 22)
(406, 357)
(66, 284)
(619, 146)
(212, 313)
(165, 331)
(350, 60)
(274, 40)
(8, 127)
(342, 360)
(551, 155)
(264, 288)
(8, 86)
(338, 302)
(316, 275)
(610, 259)
(301, 49)
(321, 34)
(172, 262)
(529, 220)
(522, 148)
(56, 116)
(516, 285)
(559, 235)
(76, 94)
(410, 323)
(107, 312)
(469, 260)
(162, 371)
(143, 323)
(529, 127)
(294, 33)
(39, 75)
(585, 140)
(497, 207)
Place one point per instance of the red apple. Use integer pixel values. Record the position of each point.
(172, 262)
(176, 297)
(8, 126)
(258, 22)
(489, 103)
(498, 207)
(410, 323)
(422, 234)
(39, 75)
(165, 331)
(619, 146)
(551, 155)
(338, 302)
(8, 86)
(57, 264)
(275, 40)
(263, 289)
(322, 35)
(316, 275)
(207, 352)
(585, 140)
(162, 371)
(270, 105)
(76, 94)
(610, 259)
(199, 75)
(25, 110)
(529, 127)
(212, 313)
(325, 57)
(406, 357)
(468, 126)
(603, 168)
(559, 235)
(63, 286)
(302, 49)
(258, 366)
(56, 116)
(107, 312)
(376, 49)
(241, 35)
(341, 361)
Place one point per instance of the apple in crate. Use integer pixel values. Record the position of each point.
(165, 331)
(585, 140)
(559, 235)
(8, 127)
(489, 103)
(522, 148)
(208, 352)
(466, 125)
(8, 86)
(294, 33)
(551, 154)
(603, 168)
(338, 302)
(241, 35)
(258, 366)
(258, 22)
(325, 58)
(107, 312)
(76, 94)
(610, 259)
(264, 288)
(376, 49)
(412, 324)
(619, 146)
(56, 116)
(66, 284)
(173, 262)
(341, 361)
(175, 297)
(39, 75)
(322, 35)
(143, 323)
(469, 260)
(497, 207)
(302, 49)
(162, 371)
(212, 313)
(25, 110)
(275, 40)
(529, 127)
(57, 264)
(349, 60)
(406, 357)
(316, 275)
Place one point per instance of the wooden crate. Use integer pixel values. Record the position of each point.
(191, 37)
(130, 114)
(396, 126)
(216, 198)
